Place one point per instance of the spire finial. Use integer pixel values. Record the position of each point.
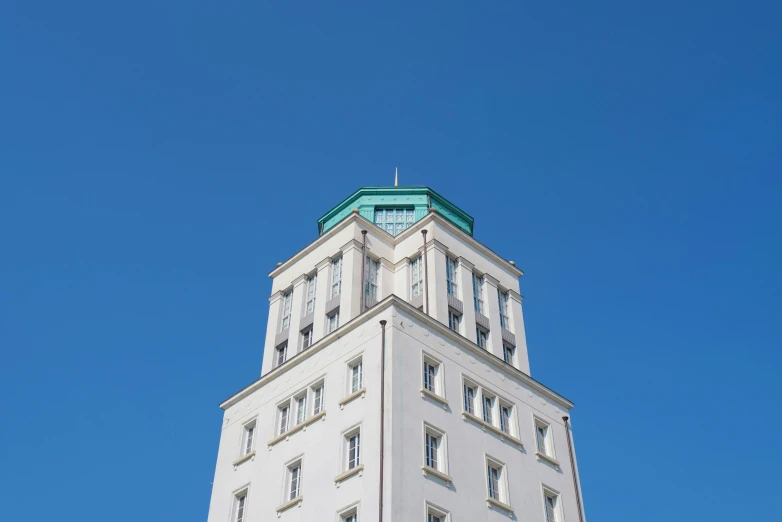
(396, 177)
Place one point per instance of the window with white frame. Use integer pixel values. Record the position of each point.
(508, 353)
(481, 338)
(451, 270)
(240, 506)
(301, 408)
(494, 410)
(496, 480)
(352, 448)
(436, 514)
(333, 321)
(469, 397)
(551, 504)
(432, 375)
(454, 321)
(477, 293)
(356, 375)
(543, 439)
(317, 399)
(506, 414)
(281, 354)
(394, 220)
(248, 438)
(416, 277)
(371, 270)
(312, 283)
(336, 276)
(293, 481)
(488, 408)
(306, 338)
(503, 297)
(285, 322)
(350, 518)
(349, 514)
(434, 449)
(283, 416)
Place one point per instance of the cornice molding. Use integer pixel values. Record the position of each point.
(466, 264)
(323, 264)
(493, 281)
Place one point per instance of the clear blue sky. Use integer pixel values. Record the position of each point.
(158, 158)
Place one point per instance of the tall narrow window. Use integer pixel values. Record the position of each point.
(356, 377)
(282, 353)
(416, 277)
(430, 376)
(317, 400)
(508, 352)
(354, 450)
(495, 477)
(312, 283)
(454, 321)
(239, 504)
(543, 439)
(551, 507)
(294, 490)
(469, 399)
(301, 409)
(249, 436)
(371, 269)
(477, 292)
(336, 277)
(285, 323)
(488, 406)
(505, 413)
(333, 321)
(480, 336)
(503, 297)
(451, 268)
(432, 448)
(394, 220)
(284, 412)
(306, 338)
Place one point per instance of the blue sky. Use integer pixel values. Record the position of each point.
(158, 158)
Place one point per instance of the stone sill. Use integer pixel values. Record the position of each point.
(439, 474)
(349, 473)
(244, 458)
(295, 502)
(356, 394)
(486, 426)
(496, 503)
(550, 460)
(433, 396)
(296, 428)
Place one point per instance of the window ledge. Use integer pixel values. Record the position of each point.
(550, 460)
(295, 502)
(349, 473)
(439, 474)
(244, 458)
(356, 394)
(496, 503)
(296, 428)
(433, 396)
(486, 426)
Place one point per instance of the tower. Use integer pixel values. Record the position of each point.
(395, 383)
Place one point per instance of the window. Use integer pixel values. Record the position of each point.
(353, 449)
(469, 398)
(434, 518)
(311, 284)
(451, 266)
(306, 338)
(248, 438)
(333, 321)
(481, 338)
(505, 416)
(431, 369)
(294, 481)
(434, 448)
(416, 277)
(551, 502)
(282, 416)
(336, 277)
(371, 269)
(436, 514)
(240, 504)
(301, 409)
(508, 353)
(356, 377)
(350, 518)
(477, 292)
(496, 480)
(282, 353)
(503, 296)
(394, 220)
(318, 400)
(454, 321)
(543, 439)
(488, 406)
(286, 311)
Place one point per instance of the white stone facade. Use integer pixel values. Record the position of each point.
(253, 479)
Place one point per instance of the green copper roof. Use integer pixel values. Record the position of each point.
(420, 199)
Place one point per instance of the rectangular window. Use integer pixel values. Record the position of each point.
(311, 284)
(543, 438)
(454, 321)
(477, 292)
(508, 353)
(283, 414)
(336, 277)
(432, 450)
(371, 269)
(469, 399)
(306, 338)
(503, 297)
(318, 400)
(354, 450)
(394, 220)
(416, 277)
(356, 377)
(301, 409)
(552, 502)
(481, 338)
(488, 406)
(240, 502)
(248, 439)
(495, 481)
(294, 481)
(430, 376)
(505, 414)
(285, 323)
(434, 518)
(451, 268)
(282, 354)
(350, 518)
(333, 321)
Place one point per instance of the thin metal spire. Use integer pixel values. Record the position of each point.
(396, 177)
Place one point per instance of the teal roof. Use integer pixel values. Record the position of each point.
(420, 199)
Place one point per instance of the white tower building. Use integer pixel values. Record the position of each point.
(395, 383)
